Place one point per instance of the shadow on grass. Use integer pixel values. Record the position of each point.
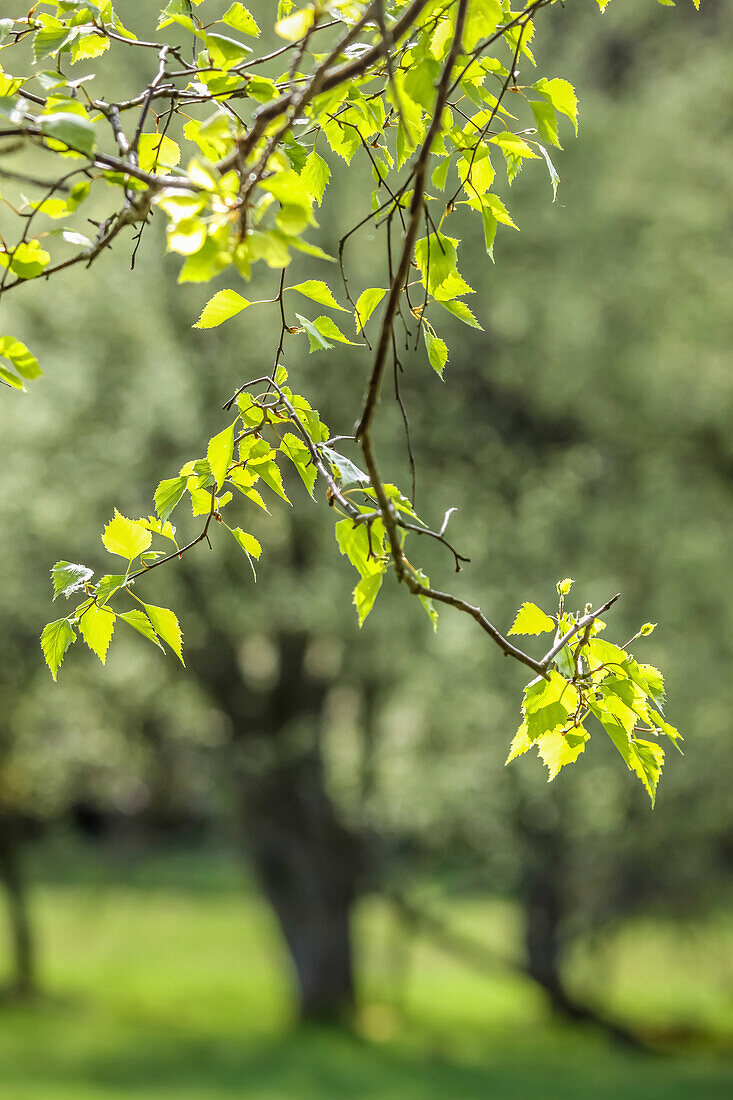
(119, 1061)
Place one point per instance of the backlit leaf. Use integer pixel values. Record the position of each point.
(219, 454)
(224, 305)
(531, 620)
(125, 537)
(67, 577)
(166, 626)
(96, 626)
(55, 640)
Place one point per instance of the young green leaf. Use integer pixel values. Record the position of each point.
(531, 620)
(561, 94)
(125, 537)
(167, 496)
(219, 454)
(366, 303)
(557, 749)
(96, 626)
(224, 305)
(321, 331)
(300, 456)
(437, 349)
(366, 593)
(241, 19)
(315, 176)
(166, 626)
(520, 744)
(55, 640)
(319, 292)
(546, 121)
(249, 544)
(72, 129)
(349, 473)
(67, 577)
(427, 601)
(139, 620)
(22, 360)
(462, 312)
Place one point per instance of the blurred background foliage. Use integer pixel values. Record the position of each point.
(160, 828)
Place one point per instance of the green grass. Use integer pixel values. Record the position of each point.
(161, 993)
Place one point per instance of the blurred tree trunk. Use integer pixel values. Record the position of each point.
(308, 862)
(22, 975)
(544, 909)
(308, 866)
(543, 893)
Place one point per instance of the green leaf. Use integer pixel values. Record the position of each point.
(564, 586)
(531, 620)
(353, 541)
(349, 473)
(542, 692)
(321, 331)
(91, 45)
(646, 762)
(27, 259)
(73, 130)
(366, 303)
(437, 349)
(654, 682)
(224, 51)
(561, 94)
(67, 578)
(605, 652)
(554, 178)
(651, 761)
(421, 80)
(167, 530)
(319, 292)
(315, 176)
(139, 620)
(168, 494)
(108, 585)
(546, 121)
(219, 454)
(427, 601)
(545, 720)
(558, 749)
(125, 537)
(49, 39)
(366, 593)
(462, 312)
(55, 640)
(295, 449)
(270, 474)
(157, 151)
(96, 626)
(166, 626)
(436, 256)
(224, 305)
(520, 744)
(249, 544)
(294, 26)
(24, 363)
(238, 17)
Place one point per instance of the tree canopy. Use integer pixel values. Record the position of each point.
(235, 147)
